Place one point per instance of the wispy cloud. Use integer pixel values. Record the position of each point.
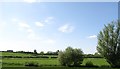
(48, 19)
(39, 24)
(92, 37)
(27, 28)
(66, 28)
(30, 31)
(14, 20)
(24, 25)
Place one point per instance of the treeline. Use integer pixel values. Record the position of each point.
(28, 56)
(49, 54)
(35, 52)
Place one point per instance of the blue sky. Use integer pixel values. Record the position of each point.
(46, 26)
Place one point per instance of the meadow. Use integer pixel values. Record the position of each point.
(53, 68)
(20, 62)
(8, 62)
(45, 63)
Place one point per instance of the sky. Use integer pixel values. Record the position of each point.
(51, 26)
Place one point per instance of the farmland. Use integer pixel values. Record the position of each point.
(10, 62)
(53, 68)
(44, 63)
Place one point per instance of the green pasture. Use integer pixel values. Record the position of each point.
(96, 61)
(58, 67)
(8, 62)
(15, 54)
(23, 54)
(20, 62)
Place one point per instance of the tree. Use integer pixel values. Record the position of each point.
(109, 43)
(70, 57)
(42, 53)
(35, 51)
(97, 55)
(56, 53)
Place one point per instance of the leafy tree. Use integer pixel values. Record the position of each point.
(109, 43)
(42, 53)
(97, 55)
(35, 51)
(70, 57)
(56, 53)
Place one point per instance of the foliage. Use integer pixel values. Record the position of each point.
(42, 53)
(58, 67)
(71, 57)
(31, 64)
(52, 53)
(89, 64)
(35, 51)
(109, 43)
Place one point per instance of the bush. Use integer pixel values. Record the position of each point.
(105, 66)
(89, 64)
(54, 57)
(31, 64)
(70, 57)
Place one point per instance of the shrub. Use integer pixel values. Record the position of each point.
(89, 64)
(105, 66)
(70, 57)
(31, 64)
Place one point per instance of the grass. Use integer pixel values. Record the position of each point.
(53, 68)
(15, 54)
(21, 61)
(23, 54)
(96, 61)
(47, 61)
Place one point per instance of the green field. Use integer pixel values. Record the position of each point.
(47, 61)
(44, 63)
(53, 68)
(21, 61)
(15, 54)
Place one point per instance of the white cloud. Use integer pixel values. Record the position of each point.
(14, 20)
(24, 25)
(92, 36)
(30, 31)
(66, 28)
(48, 19)
(39, 24)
